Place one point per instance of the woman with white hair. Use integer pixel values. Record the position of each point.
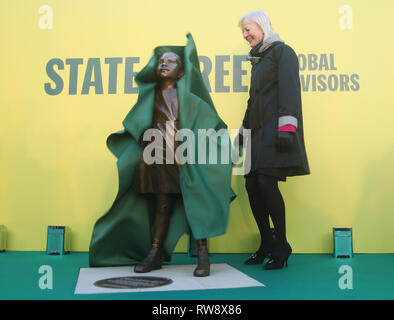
(274, 116)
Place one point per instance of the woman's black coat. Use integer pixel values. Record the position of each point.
(275, 92)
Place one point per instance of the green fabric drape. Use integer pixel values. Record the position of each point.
(123, 235)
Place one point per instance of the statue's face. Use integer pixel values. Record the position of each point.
(169, 66)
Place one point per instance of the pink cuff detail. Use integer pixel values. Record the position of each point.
(288, 128)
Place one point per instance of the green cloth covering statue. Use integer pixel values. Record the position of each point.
(125, 234)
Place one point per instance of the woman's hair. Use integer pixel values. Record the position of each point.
(261, 19)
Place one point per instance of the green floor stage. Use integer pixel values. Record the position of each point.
(309, 276)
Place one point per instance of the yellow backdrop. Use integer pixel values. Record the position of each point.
(55, 168)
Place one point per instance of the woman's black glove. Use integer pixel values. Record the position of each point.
(284, 141)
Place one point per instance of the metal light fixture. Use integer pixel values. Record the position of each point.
(343, 242)
(58, 240)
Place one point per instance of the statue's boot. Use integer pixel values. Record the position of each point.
(203, 266)
(153, 260)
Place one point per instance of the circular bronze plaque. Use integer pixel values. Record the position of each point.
(132, 282)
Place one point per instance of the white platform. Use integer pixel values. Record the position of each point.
(222, 276)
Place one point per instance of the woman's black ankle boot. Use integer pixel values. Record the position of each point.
(258, 257)
(262, 253)
(279, 258)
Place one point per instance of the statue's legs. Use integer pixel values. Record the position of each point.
(154, 259)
